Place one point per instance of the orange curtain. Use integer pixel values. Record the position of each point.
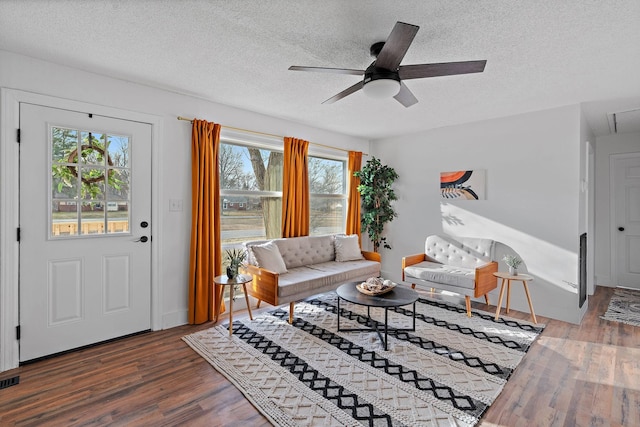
(295, 188)
(205, 256)
(353, 204)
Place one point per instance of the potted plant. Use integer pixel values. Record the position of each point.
(376, 192)
(234, 259)
(513, 262)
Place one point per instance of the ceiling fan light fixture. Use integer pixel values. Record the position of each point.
(381, 88)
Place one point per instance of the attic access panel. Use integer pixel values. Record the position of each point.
(624, 121)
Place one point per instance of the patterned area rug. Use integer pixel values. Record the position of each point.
(624, 307)
(446, 373)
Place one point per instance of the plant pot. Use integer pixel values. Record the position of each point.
(231, 273)
(513, 271)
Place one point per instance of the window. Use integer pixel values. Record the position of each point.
(251, 191)
(328, 204)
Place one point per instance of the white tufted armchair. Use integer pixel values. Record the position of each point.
(462, 265)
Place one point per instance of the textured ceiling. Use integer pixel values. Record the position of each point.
(540, 54)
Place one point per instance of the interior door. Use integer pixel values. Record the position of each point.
(626, 182)
(85, 229)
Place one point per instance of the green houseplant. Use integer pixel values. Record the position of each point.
(375, 190)
(234, 259)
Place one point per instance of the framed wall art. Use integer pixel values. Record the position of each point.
(463, 185)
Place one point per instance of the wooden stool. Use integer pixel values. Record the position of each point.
(506, 279)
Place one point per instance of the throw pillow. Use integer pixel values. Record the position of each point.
(347, 248)
(268, 257)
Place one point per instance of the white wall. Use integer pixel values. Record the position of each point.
(605, 147)
(532, 162)
(27, 74)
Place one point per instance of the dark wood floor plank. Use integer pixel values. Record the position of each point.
(573, 375)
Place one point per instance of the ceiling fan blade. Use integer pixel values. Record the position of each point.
(396, 46)
(328, 70)
(444, 69)
(348, 91)
(405, 96)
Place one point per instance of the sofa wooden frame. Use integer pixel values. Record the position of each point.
(264, 285)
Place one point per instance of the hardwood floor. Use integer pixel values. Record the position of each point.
(573, 375)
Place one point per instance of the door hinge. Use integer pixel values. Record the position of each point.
(18, 332)
(18, 136)
(18, 234)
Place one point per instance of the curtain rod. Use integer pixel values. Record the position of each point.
(271, 135)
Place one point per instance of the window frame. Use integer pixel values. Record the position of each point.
(273, 143)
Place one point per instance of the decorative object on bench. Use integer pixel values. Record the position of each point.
(462, 265)
(376, 194)
(290, 269)
(376, 286)
(234, 259)
(513, 262)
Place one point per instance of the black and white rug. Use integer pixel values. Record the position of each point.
(446, 373)
(624, 307)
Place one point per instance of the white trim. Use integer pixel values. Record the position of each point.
(10, 100)
(9, 149)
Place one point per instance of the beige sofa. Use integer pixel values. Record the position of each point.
(458, 264)
(287, 270)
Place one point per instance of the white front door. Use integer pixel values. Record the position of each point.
(85, 229)
(626, 206)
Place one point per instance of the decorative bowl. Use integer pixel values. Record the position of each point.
(375, 286)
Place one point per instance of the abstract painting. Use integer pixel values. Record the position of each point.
(462, 185)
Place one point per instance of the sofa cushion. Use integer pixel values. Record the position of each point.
(311, 279)
(306, 250)
(268, 256)
(347, 248)
(459, 252)
(442, 273)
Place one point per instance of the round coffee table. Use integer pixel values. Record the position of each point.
(399, 296)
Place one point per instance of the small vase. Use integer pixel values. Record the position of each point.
(231, 273)
(513, 271)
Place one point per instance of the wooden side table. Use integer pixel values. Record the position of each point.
(506, 279)
(241, 279)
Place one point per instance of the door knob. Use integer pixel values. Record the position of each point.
(142, 239)
(620, 228)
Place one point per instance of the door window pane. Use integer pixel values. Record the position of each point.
(65, 218)
(92, 149)
(92, 167)
(92, 218)
(118, 217)
(118, 184)
(118, 148)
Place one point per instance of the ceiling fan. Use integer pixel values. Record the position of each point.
(384, 77)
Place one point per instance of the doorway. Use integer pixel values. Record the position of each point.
(625, 219)
(85, 229)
